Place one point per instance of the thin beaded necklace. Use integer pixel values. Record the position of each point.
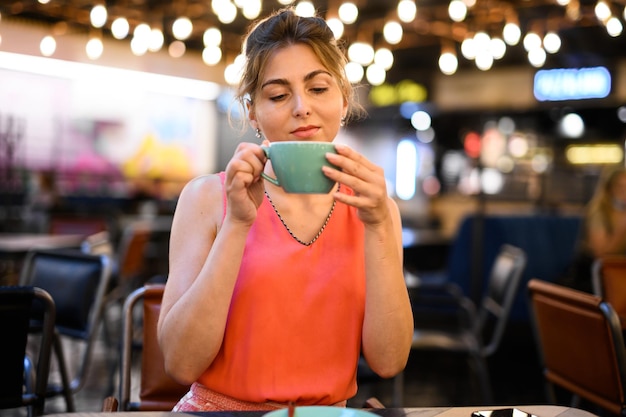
(319, 233)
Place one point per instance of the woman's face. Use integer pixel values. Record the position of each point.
(298, 98)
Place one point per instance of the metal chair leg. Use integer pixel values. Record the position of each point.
(398, 390)
(65, 381)
(482, 372)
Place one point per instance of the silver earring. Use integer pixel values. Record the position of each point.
(257, 133)
(343, 121)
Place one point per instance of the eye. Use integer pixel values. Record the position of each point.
(319, 90)
(278, 97)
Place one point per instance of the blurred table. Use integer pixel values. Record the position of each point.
(534, 410)
(15, 246)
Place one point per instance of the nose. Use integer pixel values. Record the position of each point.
(301, 106)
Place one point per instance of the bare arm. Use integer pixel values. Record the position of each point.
(388, 325)
(205, 255)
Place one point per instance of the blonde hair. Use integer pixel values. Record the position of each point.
(601, 204)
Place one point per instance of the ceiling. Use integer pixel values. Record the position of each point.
(585, 41)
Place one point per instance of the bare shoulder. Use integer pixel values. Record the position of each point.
(201, 201)
(202, 187)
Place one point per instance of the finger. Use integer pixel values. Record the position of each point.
(355, 175)
(343, 177)
(254, 155)
(353, 155)
(245, 162)
(354, 164)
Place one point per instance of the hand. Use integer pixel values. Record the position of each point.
(365, 178)
(244, 185)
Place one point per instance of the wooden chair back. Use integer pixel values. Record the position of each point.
(580, 343)
(131, 254)
(609, 283)
(157, 391)
(130, 261)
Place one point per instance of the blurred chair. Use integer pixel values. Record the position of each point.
(129, 270)
(157, 391)
(77, 283)
(475, 330)
(98, 243)
(128, 273)
(581, 346)
(22, 381)
(110, 404)
(374, 403)
(609, 283)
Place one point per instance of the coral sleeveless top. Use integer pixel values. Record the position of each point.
(295, 320)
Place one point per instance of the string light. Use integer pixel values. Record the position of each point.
(384, 58)
(305, 9)
(448, 63)
(98, 16)
(182, 28)
(48, 45)
(336, 26)
(457, 10)
(94, 48)
(511, 33)
(552, 42)
(212, 37)
(463, 25)
(354, 72)
(375, 74)
(177, 49)
(120, 28)
(156, 40)
(361, 52)
(392, 31)
(614, 27)
(348, 13)
(407, 10)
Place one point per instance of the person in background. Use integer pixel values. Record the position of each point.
(604, 228)
(272, 297)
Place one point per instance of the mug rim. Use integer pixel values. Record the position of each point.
(312, 142)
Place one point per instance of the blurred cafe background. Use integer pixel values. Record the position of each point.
(475, 108)
(518, 100)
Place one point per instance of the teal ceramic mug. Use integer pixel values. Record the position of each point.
(298, 166)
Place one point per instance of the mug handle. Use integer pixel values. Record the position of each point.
(274, 181)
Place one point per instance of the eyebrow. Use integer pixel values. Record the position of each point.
(308, 77)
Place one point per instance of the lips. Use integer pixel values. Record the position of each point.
(305, 131)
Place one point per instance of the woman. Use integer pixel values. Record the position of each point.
(272, 297)
(604, 229)
(606, 216)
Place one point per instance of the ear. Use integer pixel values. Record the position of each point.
(251, 114)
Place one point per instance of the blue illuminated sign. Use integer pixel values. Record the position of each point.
(572, 84)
